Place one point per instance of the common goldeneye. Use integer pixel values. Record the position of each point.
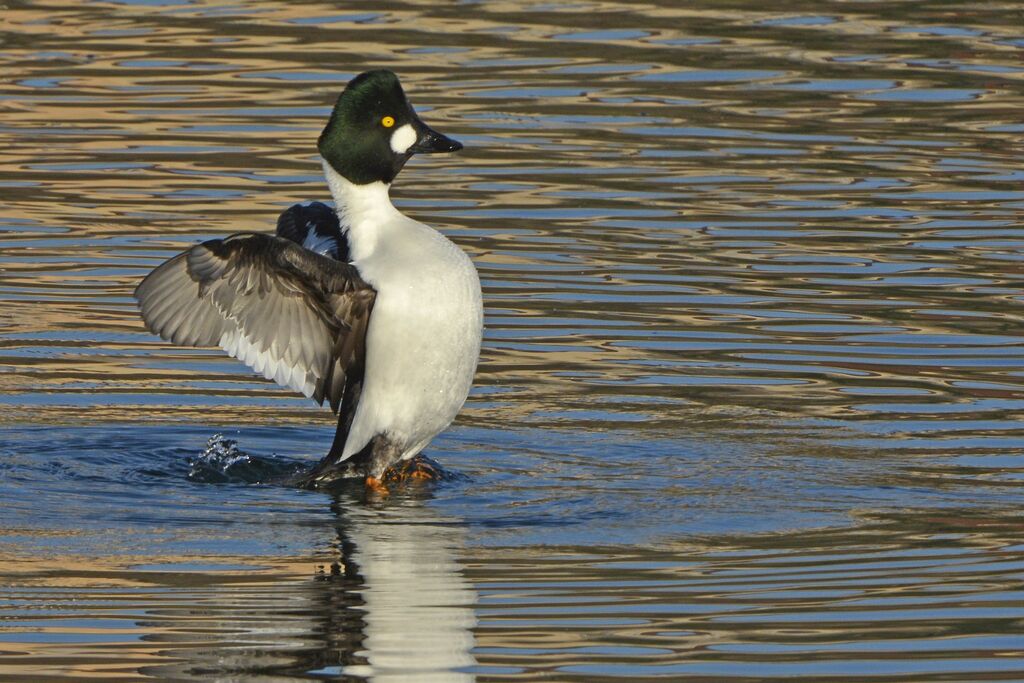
(366, 308)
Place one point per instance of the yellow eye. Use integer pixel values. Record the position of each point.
(387, 121)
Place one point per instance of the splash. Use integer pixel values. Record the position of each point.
(223, 462)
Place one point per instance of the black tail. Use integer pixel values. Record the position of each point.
(332, 468)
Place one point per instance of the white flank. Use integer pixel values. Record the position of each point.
(402, 139)
(423, 340)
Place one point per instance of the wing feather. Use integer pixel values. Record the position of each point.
(289, 314)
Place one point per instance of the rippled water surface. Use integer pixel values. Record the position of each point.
(749, 404)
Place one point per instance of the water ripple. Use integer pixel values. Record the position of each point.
(748, 404)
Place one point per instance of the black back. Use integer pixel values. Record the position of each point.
(316, 227)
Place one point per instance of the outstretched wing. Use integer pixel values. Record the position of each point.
(292, 315)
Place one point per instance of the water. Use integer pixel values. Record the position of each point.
(750, 394)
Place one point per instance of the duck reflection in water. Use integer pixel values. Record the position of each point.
(392, 606)
(418, 608)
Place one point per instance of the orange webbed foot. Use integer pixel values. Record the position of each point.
(424, 471)
(376, 487)
(419, 469)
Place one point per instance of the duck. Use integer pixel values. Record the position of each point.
(359, 306)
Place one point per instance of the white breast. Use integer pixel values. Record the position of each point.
(423, 341)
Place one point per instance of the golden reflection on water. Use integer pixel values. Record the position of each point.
(391, 605)
(795, 603)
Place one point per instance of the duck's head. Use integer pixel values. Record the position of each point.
(373, 131)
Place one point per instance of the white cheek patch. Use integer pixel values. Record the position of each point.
(402, 139)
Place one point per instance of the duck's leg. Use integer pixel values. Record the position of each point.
(383, 454)
(378, 463)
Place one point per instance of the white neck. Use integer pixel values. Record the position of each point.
(353, 201)
(362, 209)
